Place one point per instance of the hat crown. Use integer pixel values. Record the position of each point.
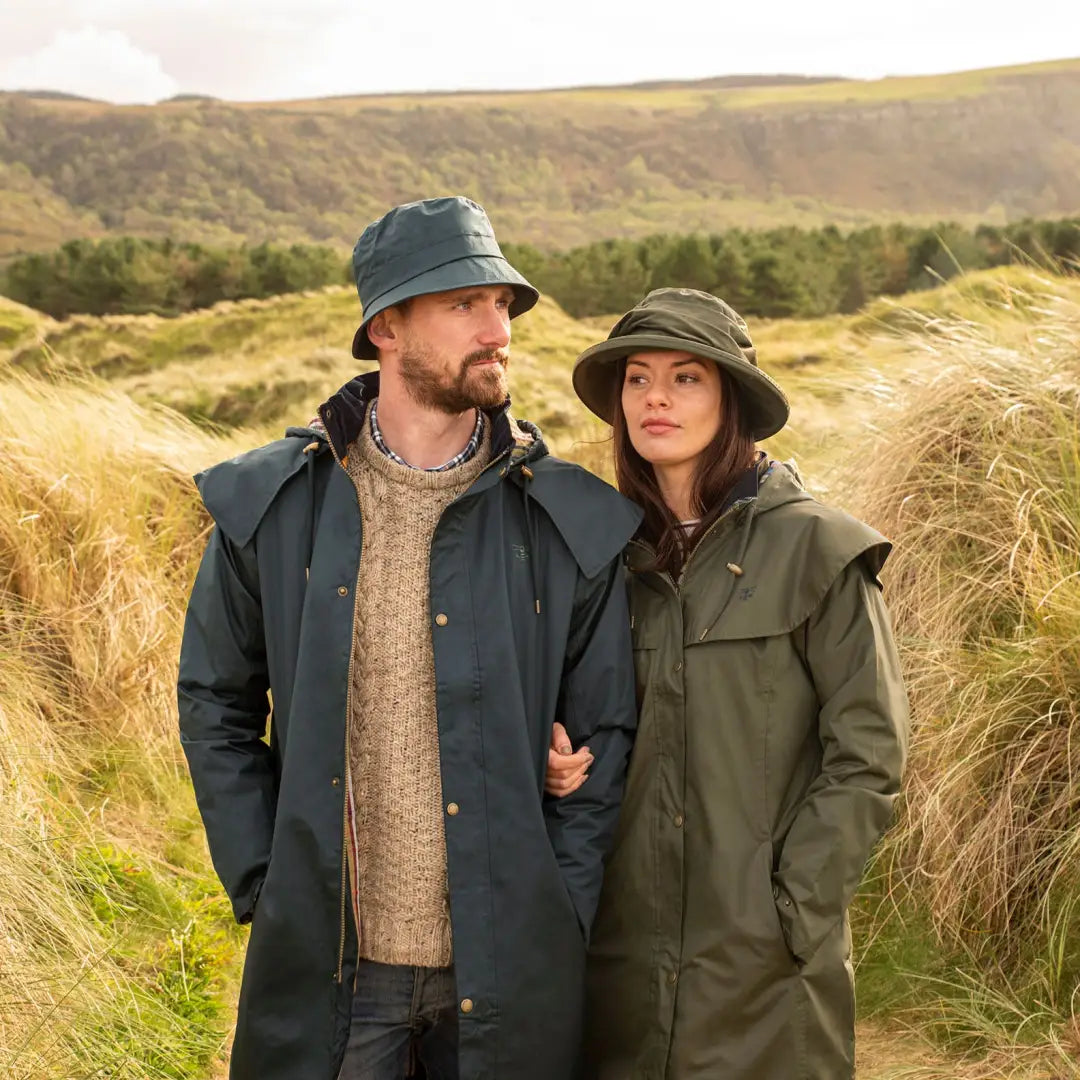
(416, 237)
(692, 316)
(425, 247)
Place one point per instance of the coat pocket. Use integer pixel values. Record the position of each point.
(771, 897)
(643, 637)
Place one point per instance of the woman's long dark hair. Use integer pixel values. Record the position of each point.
(722, 462)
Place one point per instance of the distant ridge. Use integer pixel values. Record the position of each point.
(50, 95)
(717, 82)
(733, 82)
(188, 97)
(554, 167)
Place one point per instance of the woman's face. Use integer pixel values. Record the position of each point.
(671, 402)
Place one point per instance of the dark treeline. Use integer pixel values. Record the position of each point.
(125, 275)
(775, 273)
(779, 273)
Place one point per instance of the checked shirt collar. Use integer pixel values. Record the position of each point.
(467, 452)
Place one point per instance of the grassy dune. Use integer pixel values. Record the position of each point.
(269, 363)
(948, 419)
(266, 363)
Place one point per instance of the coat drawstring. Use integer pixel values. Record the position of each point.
(309, 452)
(530, 529)
(734, 568)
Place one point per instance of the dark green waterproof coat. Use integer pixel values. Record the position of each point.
(524, 870)
(771, 737)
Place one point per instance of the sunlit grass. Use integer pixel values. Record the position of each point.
(976, 477)
(116, 949)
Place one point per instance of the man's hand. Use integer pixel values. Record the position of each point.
(566, 771)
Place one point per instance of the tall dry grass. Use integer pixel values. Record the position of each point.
(976, 477)
(110, 923)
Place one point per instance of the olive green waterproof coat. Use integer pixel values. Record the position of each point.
(772, 733)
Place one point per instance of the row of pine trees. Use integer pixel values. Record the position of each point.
(775, 273)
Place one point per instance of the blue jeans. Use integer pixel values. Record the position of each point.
(402, 1017)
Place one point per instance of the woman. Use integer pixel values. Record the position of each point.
(772, 723)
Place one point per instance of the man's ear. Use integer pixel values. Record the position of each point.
(383, 330)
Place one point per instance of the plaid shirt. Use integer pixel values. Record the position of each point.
(469, 450)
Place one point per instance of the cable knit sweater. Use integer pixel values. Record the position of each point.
(398, 844)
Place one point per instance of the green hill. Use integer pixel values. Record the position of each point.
(556, 168)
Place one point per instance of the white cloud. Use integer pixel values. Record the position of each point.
(95, 63)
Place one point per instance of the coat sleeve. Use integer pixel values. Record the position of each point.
(222, 695)
(597, 707)
(848, 649)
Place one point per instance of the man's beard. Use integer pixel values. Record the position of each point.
(473, 387)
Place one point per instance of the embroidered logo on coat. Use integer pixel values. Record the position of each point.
(747, 592)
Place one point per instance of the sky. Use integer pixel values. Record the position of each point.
(136, 51)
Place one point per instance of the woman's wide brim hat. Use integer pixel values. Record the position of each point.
(431, 246)
(682, 320)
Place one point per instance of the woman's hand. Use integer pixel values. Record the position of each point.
(566, 771)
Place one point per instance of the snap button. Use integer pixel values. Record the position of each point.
(466, 1005)
(452, 809)
(342, 591)
(678, 821)
(673, 978)
(336, 781)
(441, 619)
(678, 666)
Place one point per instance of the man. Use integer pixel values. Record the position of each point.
(423, 592)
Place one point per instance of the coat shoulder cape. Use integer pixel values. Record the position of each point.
(592, 518)
(797, 551)
(239, 491)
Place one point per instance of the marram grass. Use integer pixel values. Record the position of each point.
(976, 477)
(115, 942)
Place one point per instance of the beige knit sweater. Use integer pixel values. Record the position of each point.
(400, 886)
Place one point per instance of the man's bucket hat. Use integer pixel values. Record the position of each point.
(683, 320)
(426, 247)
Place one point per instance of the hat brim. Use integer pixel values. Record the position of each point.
(597, 370)
(463, 273)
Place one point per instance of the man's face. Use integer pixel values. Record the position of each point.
(454, 348)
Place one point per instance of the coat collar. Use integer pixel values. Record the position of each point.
(342, 415)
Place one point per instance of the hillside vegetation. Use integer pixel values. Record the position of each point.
(948, 419)
(555, 168)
